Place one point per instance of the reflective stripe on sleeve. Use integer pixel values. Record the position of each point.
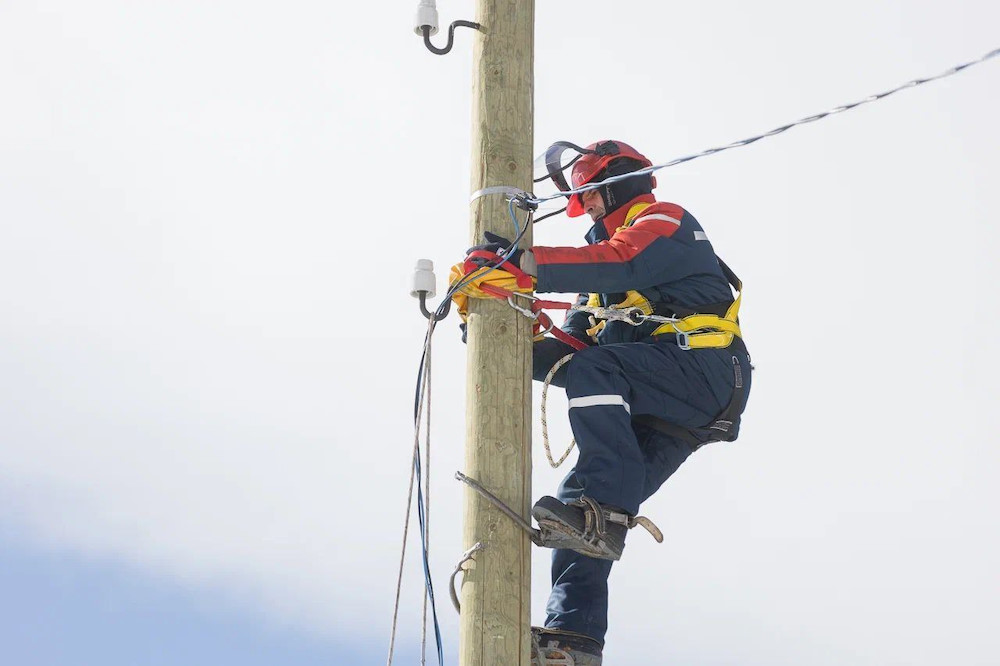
(596, 400)
(657, 216)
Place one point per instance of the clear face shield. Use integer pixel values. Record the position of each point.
(551, 173)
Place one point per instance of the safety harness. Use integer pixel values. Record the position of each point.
(701, 329)
(712, 326)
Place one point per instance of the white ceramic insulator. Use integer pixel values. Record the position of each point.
(423, 279)
(427, 14)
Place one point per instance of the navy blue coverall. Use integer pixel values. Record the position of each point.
(660, 251)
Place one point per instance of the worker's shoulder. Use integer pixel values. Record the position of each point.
(661, 210)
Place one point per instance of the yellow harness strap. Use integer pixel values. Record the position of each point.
(706, 331)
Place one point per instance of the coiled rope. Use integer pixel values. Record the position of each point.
(545, 426)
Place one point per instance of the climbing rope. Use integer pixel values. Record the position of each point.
(545, 426)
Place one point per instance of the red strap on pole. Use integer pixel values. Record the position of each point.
(536, 306)
(524, 280)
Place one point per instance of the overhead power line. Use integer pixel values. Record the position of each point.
(777, 130)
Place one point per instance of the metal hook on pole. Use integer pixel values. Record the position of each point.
(427, 24)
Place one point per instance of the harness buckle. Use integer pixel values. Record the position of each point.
(683, 339)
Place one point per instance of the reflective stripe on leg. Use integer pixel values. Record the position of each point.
(598, 400)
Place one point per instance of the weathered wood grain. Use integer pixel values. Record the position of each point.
(495, 594)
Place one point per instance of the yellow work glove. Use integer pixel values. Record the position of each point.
(494, 277)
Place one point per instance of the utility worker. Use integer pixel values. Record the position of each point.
(642, 397)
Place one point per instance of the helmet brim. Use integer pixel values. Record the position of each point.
(575, 206)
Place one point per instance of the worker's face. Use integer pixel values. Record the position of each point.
(593, 204)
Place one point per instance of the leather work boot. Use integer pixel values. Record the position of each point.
(555, 647)
(585, 526)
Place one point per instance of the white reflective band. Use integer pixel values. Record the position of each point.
(657, 216)
(596, 400)
(700, 235)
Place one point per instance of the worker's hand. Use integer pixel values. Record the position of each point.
(497, 245)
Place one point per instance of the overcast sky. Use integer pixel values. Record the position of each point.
(209, 214)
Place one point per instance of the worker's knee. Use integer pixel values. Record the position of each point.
(590, 364)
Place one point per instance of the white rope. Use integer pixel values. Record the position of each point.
(545, 426)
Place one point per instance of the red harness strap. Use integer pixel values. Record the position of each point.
(524, 280)
(544, 321)
(560, 334)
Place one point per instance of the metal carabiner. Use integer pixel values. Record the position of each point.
(527, 312)
(635, 316)
(547, 328)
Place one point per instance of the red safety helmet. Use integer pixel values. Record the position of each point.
(587, 166)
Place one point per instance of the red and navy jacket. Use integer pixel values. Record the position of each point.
(657, 249)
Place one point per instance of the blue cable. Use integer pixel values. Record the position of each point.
(428, 582)
(517, 228)
(429, 585)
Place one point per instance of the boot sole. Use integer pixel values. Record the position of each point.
(558, 533)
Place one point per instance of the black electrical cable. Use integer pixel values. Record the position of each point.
(561, 169)
(428, 583)
(548, 215)
(439, 314)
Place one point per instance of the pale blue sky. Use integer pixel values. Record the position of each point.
(63, 609)
(208, 217)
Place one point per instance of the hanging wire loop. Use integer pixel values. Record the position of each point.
(426, 30)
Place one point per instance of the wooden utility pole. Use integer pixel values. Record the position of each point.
(496, 607)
